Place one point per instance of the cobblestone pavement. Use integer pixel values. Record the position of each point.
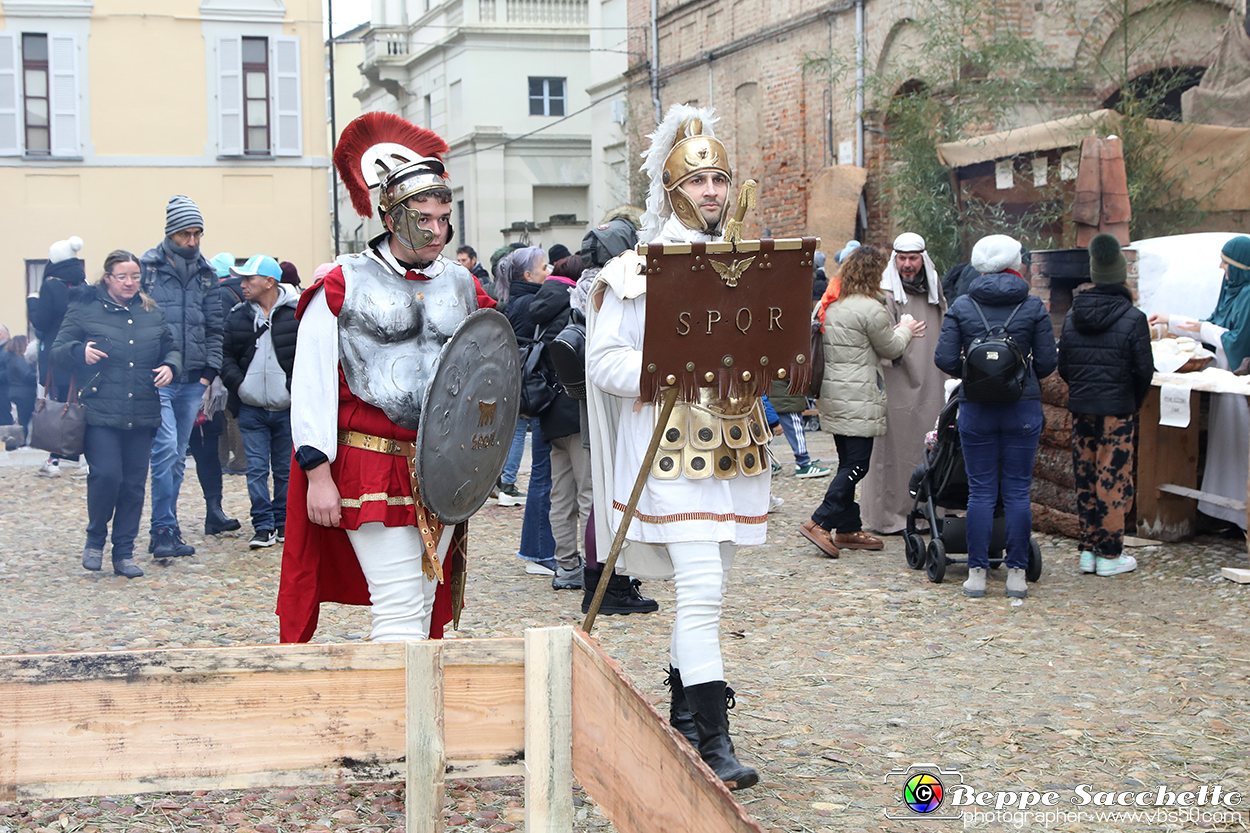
(845, 669)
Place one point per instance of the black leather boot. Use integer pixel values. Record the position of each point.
(709, 704)
(679, 716)
(590, 581)
(215, 518)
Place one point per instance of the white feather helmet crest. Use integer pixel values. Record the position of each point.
(682, 145)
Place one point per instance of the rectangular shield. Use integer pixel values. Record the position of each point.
(731, 317)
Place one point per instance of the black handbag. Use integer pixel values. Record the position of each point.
(58, 427)
(539, 385)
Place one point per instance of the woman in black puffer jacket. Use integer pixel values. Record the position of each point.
(120, 347)
(999, 439)
(1105, 357)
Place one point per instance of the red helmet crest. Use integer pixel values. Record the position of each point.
(375, 144)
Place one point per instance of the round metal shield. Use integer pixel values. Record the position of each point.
(468, 416)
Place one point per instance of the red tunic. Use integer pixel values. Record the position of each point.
(318, 563)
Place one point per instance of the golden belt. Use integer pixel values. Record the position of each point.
(431, 527)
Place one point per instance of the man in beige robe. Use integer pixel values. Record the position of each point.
(913, 387)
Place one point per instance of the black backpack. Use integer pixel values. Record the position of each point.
(539, 383)
(995, 368)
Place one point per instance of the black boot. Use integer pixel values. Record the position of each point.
(679, 716)
(590, 582)
(621, 597)
(709, 703)
(215, 518)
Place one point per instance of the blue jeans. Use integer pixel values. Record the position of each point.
(180, 403)
(999, 444)
(119, 472)
(513, 465)
(537, 542)
(267, 444)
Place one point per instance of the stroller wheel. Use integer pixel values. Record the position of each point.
(936, 565)
(914, 548)
(1033, 571)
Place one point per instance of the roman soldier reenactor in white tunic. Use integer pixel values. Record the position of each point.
(369, 339)
(687, 523)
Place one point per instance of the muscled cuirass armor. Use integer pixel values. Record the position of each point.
(391, 331)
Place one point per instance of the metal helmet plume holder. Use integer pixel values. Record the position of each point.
(729, 316)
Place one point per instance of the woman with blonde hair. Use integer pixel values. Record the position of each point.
(116, 340)
(857, 336)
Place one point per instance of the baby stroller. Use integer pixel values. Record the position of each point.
(940, 483)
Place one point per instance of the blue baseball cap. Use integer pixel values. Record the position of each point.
(259, 265)
(222, 263)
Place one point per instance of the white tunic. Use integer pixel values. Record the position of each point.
(668, 511)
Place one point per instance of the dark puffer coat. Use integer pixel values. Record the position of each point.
(118, 391)
(192, 310)
(239, 344)
(997, 293)
(1104, 353)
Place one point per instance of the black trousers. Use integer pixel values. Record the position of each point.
(839, 511)
(115, 485)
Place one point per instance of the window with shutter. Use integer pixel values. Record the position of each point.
(288, 133)
(35, 94)
(63, 101)
(229, 96)
(10, 95)
(256, 96)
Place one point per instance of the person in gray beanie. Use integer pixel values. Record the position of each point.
(183, 283)
(999, 438)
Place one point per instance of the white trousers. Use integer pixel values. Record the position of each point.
(401, 595)
(701, 573)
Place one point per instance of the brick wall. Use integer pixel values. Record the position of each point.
(711, 51)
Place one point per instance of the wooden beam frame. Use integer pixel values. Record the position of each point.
(545, 707)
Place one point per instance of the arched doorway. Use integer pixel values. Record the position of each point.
(1157, 91)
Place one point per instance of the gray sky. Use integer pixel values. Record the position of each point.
(347, 13)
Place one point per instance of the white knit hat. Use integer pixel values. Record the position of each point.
(64, 249)
(996, 253)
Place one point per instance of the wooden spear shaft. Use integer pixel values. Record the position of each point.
(670, 398)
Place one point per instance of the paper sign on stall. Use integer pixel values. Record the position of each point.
(1174, 406)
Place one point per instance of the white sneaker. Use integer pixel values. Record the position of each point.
(50, 468)
(1115, 566)
(974, 587)
(82, 471)
(774, 502)
(533, 568)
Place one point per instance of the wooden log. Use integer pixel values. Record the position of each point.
(1053, 495)
(1054, 465)
(1054, 522)
(1057, 428)
(644, 775)
(1055, 391)
(549, 729)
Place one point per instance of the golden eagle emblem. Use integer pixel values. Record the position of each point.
(731, 273)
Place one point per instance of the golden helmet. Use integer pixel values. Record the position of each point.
(694, 152)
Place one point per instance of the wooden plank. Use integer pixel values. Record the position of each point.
(1134, 541)
(644, 775)
(1166, 455)
(218, 731)
(549, 729)
(1237, 574)
(1218, 500)
(236, 718)
(426, 758)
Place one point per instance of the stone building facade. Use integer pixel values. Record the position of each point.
(783, 125)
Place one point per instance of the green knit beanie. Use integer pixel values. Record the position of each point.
(1106, 261)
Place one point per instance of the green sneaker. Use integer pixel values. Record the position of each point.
(1116, 566)
(1087, 562)
(812, 470)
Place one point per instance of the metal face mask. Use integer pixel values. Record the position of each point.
(407, 227)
